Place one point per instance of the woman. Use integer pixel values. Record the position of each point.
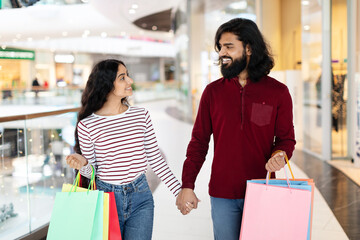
(119, 141)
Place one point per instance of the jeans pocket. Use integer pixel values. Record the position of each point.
(143, 186)
(261, 114)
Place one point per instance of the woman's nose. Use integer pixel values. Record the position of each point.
(129, 80)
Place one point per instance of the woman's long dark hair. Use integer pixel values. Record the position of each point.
(98, 86)
(261, 60)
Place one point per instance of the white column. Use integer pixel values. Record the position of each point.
(325, 83)
(162, 70)
(352, 106)
(197, 46)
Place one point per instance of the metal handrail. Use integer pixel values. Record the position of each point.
(37, 115)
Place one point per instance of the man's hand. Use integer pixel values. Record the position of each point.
(276, 162)
(186, 200)
(76, 161)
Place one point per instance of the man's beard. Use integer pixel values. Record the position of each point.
(233, 69)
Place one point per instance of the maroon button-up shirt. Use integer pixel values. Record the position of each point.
(248, 124)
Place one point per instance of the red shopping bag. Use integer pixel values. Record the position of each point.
(114, 226)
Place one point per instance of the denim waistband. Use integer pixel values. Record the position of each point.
(129, 187)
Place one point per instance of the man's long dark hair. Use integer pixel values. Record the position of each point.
(261, 61)
(98, 86)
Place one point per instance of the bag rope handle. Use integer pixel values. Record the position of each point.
(287, 162)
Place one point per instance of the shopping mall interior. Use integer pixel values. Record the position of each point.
(47, 51)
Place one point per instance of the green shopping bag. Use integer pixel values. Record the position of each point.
(77, 215)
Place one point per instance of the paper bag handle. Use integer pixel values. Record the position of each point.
(92, 184)
(287, 162)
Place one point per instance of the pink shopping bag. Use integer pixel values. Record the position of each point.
(275, 212)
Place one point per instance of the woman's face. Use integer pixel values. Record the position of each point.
(122, 83)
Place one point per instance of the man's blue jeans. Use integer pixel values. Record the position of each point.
(135, 206)
(226, 215)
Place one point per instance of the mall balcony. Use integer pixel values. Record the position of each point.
(169, 51)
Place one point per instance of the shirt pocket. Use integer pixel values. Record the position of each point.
(261, 114)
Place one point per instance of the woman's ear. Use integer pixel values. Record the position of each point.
(248, 50)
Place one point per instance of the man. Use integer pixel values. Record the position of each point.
(250, 117)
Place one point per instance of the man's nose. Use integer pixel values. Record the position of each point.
(222, 52)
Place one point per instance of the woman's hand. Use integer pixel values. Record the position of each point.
(76, 161)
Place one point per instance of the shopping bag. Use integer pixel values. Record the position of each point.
(278, 211)
(310, 183)
(67, 188)
(106, 217)
(114, 226)
(300, 181)
(77, 215)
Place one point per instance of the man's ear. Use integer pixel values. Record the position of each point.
(248, 50)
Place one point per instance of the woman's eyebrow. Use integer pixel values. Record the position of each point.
(121, 74)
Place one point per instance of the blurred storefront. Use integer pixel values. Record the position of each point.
(16, 67)
(312, 48)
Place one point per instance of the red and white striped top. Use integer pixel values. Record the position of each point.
(120, 147)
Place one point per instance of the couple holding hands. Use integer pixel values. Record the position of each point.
(248, 113)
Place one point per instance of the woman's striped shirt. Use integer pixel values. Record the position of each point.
(120, 147)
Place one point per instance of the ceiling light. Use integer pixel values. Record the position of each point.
(123, 34)
(104, 34)
(239, 5)
(3, 47)
(64, 34)
(132, 11)
(47, 38)
(64, 58)
(135, 6)
(154, 28)
(87, 32)
(305, 2)
(85, 1)
(29, 39)
(306, 27)
(0, 67)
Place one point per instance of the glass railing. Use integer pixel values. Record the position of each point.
(41, 96)
(32, 168)
(65, 96)
(151, 91)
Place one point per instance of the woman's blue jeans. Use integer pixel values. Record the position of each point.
(226, 215)
(135, 206)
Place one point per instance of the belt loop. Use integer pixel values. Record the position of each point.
(133, 185)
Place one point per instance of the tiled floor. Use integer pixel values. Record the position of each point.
(173, 136)
(347, 167)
